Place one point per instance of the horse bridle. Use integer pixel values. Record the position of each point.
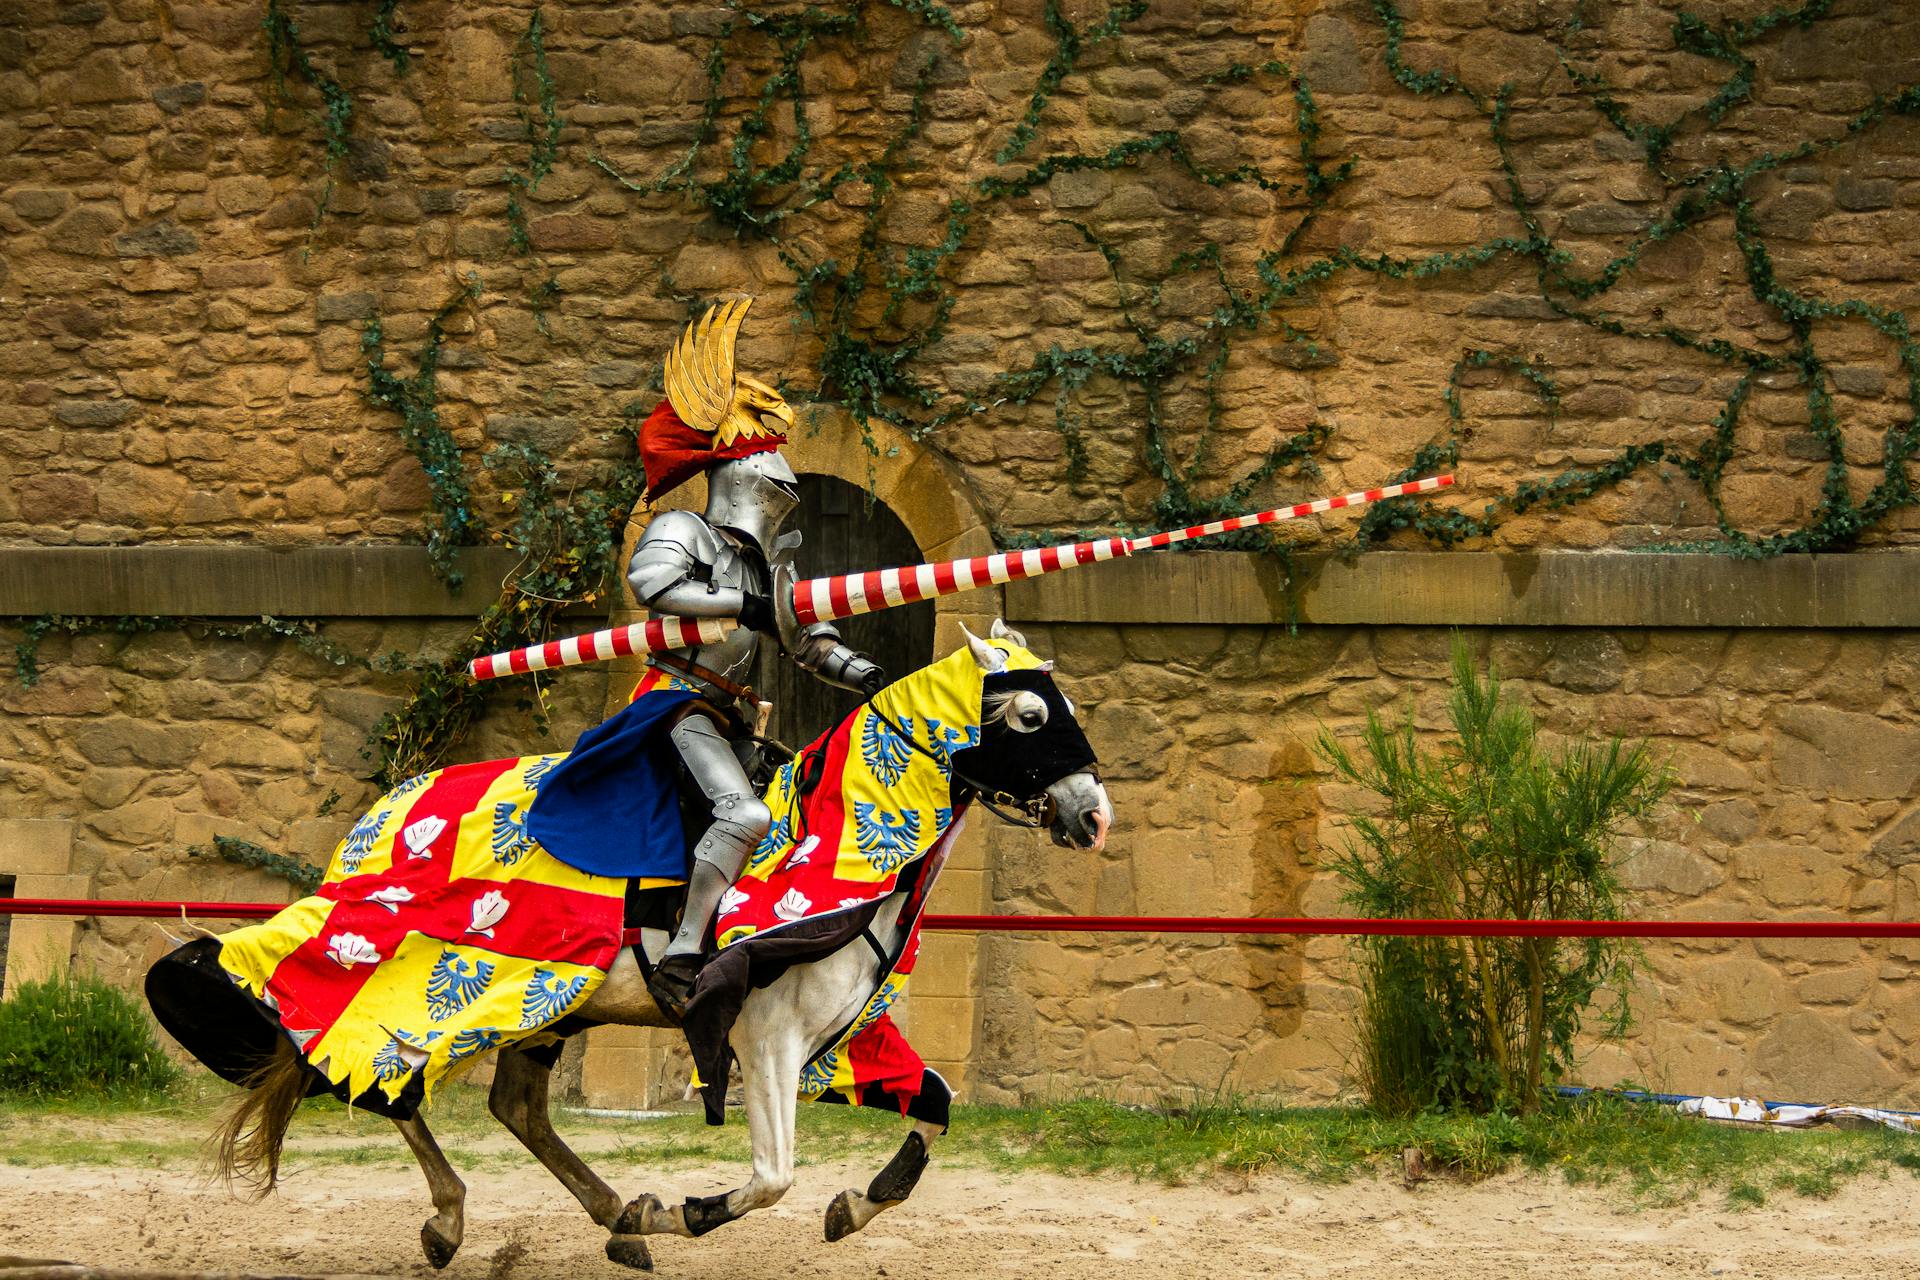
(1033, 814)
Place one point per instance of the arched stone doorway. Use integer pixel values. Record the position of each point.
(919, 502)
(846, 530)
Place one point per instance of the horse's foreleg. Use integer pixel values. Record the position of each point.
(851, 1210)
(441, 1235)
(518, 1100)
(770, 1072)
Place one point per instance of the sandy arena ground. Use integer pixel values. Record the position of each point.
(347, 1220)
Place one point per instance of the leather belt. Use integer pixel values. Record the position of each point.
(688, 668)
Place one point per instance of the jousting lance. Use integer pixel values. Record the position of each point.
(850, 594)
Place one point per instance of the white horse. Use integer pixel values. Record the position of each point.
(780, 1026)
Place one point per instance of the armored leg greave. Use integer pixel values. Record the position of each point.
(739, 822)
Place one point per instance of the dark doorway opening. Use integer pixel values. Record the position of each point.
(845, 532)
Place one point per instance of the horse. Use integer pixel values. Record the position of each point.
(1009, 740)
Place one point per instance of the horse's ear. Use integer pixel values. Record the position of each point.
(988, 658)
(1001, 631)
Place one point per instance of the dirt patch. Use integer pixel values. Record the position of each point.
(330, 1219)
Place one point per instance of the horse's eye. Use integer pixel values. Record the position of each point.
(1029, 713)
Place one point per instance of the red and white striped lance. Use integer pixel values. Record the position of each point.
(651, 636)
(847, 595)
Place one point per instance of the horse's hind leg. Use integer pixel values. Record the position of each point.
(851, 1210)
(441, 1235)
(519, 1101)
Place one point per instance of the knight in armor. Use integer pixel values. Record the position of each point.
(731, 562)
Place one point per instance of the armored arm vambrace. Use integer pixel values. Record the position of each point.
(820, 652)
(692, 600)
(669, 574)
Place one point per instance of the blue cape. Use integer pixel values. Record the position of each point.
(611, 808)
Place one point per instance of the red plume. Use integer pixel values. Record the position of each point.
(675, 453)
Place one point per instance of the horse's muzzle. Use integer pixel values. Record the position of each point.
(1079, 812)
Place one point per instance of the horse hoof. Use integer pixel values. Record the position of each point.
(630, 1251)
(840, 1223)
(439, 1249)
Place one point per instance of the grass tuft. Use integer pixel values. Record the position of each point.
(76, 1035)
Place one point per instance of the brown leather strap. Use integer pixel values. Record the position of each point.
(698, 672)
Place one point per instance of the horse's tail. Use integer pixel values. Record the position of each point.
(246, 1146)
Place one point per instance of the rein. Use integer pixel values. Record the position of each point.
(1031, 814)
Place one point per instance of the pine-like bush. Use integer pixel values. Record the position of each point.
(75, 1034)
(1486, 825)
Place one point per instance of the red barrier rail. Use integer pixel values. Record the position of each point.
(1246, 925)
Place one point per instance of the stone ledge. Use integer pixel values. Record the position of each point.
(1485, 589)
(351, 581)
(1565, 589)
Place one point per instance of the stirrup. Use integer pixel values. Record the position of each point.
(671, 984)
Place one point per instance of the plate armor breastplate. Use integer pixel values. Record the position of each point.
(680, 548)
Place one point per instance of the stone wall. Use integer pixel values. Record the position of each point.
(1796, 754)
(185, 337)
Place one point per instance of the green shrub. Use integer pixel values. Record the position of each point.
(75, 1034)
(1488, 825)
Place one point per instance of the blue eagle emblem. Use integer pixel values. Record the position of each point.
(547, 997)
(510, 839)
(946, 741)
(468, 1043)
(414, 783)
(389, 1064)
(942, 819)
(885, 839)
(885, 752)
(817, 1076)
(876, 1008)
(359, 842)
(778, 838)
(536, 774)
(454, 984)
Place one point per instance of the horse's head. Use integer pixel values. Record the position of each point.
(1031, 749)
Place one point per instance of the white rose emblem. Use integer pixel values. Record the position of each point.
(489, 909)
(792, 906)
(349, 949)
(803, 851)
(391, 897)
(423, 833)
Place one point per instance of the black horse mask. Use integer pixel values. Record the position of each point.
(1015, 757)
